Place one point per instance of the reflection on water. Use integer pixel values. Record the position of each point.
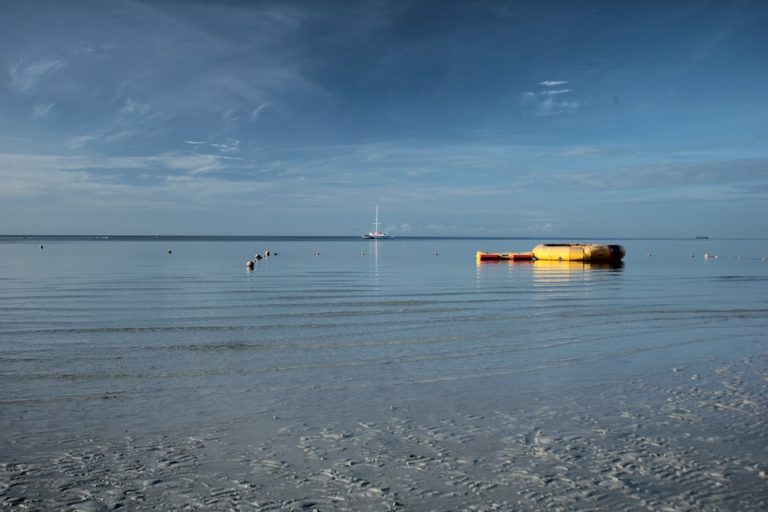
(578, 266)
(559, 271)
(548, 272)
(373, 251)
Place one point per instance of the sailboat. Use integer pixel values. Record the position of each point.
(376, 234)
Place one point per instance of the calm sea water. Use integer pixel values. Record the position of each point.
(110, 336)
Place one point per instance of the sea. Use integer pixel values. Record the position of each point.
(401, 364)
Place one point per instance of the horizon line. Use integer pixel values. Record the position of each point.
(101, 236)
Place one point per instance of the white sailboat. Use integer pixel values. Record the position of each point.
(376, 234)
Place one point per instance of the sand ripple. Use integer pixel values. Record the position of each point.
(698, 442)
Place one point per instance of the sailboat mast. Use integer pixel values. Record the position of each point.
(376, 224)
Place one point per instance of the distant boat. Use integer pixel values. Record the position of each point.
(376, 234)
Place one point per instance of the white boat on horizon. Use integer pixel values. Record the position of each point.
(376, 234)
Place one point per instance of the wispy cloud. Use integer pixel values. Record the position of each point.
(548, 102)
(230, 146)
(585, 152)
(191, 164)
(42, 111)
(87, 190)
(134, 108)
(257, 111)
(546, 227)
(79, 141)
(108, 135)
(161, 70)
(547, 105)
(226, 147)
(132, 119)
(667, 176)
(25, 76)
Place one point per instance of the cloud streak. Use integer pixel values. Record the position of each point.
(25, 76)
(257, 111)
(42, 111)
(549, 102)
(728, 174)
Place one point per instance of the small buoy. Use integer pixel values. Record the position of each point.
(257, 257)
(170, 252)
(437, 253)
(249, 264)
(266, 253)
(317, 253)
(41, 247)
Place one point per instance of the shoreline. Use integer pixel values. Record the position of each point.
(696, 441)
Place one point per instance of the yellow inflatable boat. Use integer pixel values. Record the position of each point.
(588, 253)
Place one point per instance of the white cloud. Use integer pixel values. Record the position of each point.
(230, 146)
(602, 151)
(440, 228)
(551, 106)
(257, 111)
(76, 188)
(230, 115)
(548, 101)
(131, 107)
(191, 164)
(553, 83)
(28, 168)
(226, 147)
(42, 111)
(546, 227)
(24, 77)
(677, 176)
(81, 140)
(106, 135)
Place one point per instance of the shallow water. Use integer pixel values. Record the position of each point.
(347, 374)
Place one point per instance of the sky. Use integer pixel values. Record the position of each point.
(484, 118)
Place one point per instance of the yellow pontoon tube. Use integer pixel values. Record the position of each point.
(589, 253)
(498, 256)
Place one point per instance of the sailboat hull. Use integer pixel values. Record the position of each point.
(376, 234)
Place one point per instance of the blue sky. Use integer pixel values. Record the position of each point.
(489, 118)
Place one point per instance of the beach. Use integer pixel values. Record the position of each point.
(395, 375)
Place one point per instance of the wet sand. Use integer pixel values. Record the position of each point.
(686, 441)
